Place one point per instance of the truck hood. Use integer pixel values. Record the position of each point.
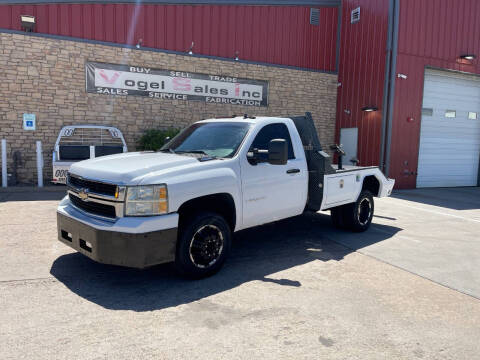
(129, 168)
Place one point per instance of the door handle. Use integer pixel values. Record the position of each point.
(293, 171)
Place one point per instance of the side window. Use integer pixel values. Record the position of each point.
(270, 132)
(450, 113)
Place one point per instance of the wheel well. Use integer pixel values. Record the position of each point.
(222, 204)
(371, 184)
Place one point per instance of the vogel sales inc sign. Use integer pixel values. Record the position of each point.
(111, 79)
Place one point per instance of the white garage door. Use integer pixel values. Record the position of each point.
(450, 130)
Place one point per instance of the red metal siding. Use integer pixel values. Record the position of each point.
(432, 33)
(361, 74)
(272, 34)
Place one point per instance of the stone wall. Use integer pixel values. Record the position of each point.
(47, 77)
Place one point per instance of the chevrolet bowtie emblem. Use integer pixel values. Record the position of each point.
(83, 194)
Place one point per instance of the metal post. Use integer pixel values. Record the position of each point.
(386, 84)
(391, 93)
(4, 163)
(39, 164)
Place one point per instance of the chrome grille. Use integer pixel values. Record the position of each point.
(92, 186)
(93, 207)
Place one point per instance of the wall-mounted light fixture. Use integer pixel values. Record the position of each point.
(28, 22)
(467, 57)
(190, 51)
(369, 108)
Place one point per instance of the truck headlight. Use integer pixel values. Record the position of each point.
(146, 200)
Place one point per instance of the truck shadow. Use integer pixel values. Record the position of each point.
(256, 254)
(33, 195)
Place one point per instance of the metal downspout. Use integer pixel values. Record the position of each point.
(391, 92)
(339, 34)
(386, 83)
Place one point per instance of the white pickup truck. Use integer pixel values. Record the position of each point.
(182, 203)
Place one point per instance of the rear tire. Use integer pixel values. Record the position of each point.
(358, 215)
(203, 245)
(336, 214)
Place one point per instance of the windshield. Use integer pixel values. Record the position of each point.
(216, 139)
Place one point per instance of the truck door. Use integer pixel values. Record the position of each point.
(272, 192)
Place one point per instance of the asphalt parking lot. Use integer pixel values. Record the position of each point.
(296, 289)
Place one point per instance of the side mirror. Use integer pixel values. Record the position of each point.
(277, 152)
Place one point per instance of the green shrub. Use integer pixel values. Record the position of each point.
(154, 139)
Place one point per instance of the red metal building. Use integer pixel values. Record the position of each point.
(362, 66)
(416, 61)
(408, 92)
(433, 34)
(265, 33)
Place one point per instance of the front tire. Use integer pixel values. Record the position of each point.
(203, 245)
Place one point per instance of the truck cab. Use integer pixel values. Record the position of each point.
(182, 203)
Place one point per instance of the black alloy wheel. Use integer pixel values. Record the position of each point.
(364, 211)
(206, 246)
(203, 245)
(356, 216)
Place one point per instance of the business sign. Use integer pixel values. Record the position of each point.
(114, 79)
(29, 122)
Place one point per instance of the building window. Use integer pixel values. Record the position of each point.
(427, 112)
(472, 115)
(450, 113)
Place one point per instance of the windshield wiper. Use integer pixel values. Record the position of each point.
(205, 156)
(170, 150)
(193, 152)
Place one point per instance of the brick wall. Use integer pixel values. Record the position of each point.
(47, 77)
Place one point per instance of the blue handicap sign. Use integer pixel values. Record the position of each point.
(29, 121)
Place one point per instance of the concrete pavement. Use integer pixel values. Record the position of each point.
(293, 289)
(439, 237)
